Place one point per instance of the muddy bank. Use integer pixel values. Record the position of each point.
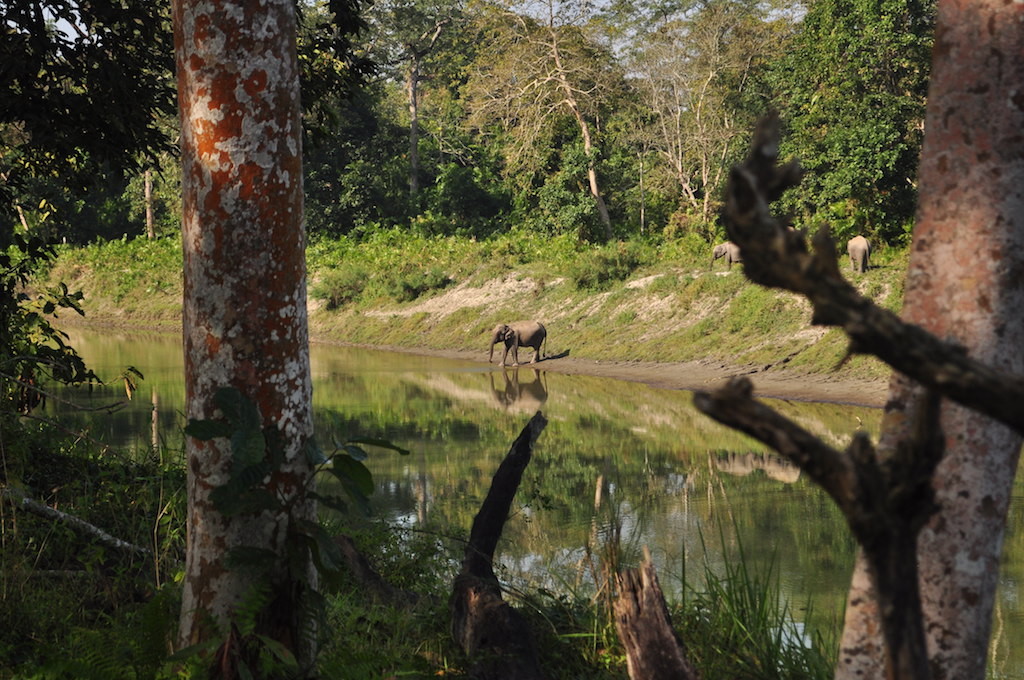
(694, 375)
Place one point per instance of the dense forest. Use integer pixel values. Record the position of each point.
(607, 121)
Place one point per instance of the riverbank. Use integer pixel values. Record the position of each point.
(692, 375)
(632, 311)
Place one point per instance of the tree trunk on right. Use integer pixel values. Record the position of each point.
(965, 282)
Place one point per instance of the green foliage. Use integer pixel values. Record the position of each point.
(599, 268)
(852, 93)
(741, 626)
(32, 350)
(412, 282)
(70, 606)
(341, 286)
(84, 89)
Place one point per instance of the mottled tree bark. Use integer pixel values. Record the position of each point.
(244, 316)
(965, 282)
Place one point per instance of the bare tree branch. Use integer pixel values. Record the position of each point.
(777, 257)
(885, 502)
(22, 502)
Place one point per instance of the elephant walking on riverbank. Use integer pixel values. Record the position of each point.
(859, 250)
(516, 334)
(729, 250)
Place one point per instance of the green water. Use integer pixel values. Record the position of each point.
(669, 478)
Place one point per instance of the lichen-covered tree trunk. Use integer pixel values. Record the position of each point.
(965, 282)
(244, 316)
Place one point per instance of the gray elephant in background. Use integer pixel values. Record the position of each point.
(515, 335)
(859, 250)
(729, 250)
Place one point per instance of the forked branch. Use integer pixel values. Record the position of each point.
(778, 257)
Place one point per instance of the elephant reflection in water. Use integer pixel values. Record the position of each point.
(526, 397)
(742, 464)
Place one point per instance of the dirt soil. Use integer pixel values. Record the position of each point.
(698, 375)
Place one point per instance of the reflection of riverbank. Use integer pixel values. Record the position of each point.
(769, 382)
(743, 464)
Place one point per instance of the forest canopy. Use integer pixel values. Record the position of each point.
(466, 118)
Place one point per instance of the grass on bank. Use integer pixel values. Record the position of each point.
(641, 300)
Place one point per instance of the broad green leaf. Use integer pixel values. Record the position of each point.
(248, 446)
(314, 454)
(325, 550)
(347, 469)
(333, 502)
(354, 452)
(382, 443)
(279, 650)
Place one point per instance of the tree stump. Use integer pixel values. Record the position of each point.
(653, 650)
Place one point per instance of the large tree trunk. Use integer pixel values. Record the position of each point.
(244, 316)
(965, 282)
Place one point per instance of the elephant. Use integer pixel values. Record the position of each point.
(859, 249)
(729, 250)
(516, 334)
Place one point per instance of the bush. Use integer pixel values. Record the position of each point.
(614, 262)
(408, 286)
(339, 287)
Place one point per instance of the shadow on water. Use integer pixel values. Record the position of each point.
(617, 459)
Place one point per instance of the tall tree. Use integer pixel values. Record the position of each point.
(408, 31)
(694, 68)
(245, 328)
(965, 282)
(538, 64)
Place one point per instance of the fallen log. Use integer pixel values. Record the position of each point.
(19, 500)
(496, 637)
(653, 650)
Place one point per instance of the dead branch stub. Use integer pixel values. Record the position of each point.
(653, 650)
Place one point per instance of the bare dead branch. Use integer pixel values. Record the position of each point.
(885, 502)
(22, 502)
(777, 257)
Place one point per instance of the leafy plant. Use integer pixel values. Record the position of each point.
(31, 349)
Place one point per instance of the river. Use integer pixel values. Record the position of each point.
(616, 459)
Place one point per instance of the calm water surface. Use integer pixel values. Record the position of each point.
(617, 459)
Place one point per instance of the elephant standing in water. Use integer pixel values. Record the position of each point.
(859, 250)
(729, 250)
(516, 334)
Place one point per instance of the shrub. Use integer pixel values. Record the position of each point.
(408, 286)
(339, 287)
(614, 262)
